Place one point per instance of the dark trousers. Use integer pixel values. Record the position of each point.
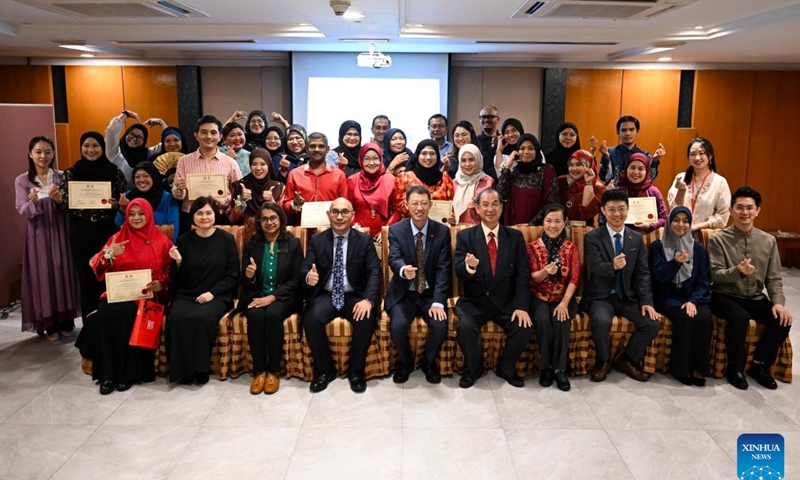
(319, 313)
(87, 239)
(469, 339)
(691, 341)
(552, 335)
(737, 312)
(265, 335)
(403, 313)
(601, 311)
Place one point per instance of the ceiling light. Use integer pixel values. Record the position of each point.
(87, 55)
(351, 15)
(81, 46)
(664, 59)
(699, 27)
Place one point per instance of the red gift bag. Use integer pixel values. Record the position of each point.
(147, 328)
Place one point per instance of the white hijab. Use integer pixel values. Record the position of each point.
(467, 184)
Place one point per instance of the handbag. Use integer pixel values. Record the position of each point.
(146, 331)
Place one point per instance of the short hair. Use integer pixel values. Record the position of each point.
(473, 138)
(281, 219)
(201, 202)
(746, 192)
(229, 127)
(318, 136)
(381, 117)
(614, 195)
(628, 118)
(31, 165)
(438, 115)
(419, 190)
(487, 191)
(555, 207)
(207, 119)
(712, 163)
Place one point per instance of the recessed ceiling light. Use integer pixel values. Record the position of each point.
(87, 55)
(418, 25)
(351, 15)
(664, 59)
(699, 27)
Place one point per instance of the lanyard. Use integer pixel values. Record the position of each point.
(696, 193)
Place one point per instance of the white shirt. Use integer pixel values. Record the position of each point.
(612, 232)
(486, 231)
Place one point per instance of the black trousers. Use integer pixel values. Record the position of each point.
(469, 339)
(319, 313)
(265, 335)
(737, 312)
(602, 311)
(403, 313)
(552, 335)
(114, 359)
(691, 341)
(86, 239)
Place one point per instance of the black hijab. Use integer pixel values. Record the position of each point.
(429, 176)
(258, 187)
(100, 170)
(559, 156)
(255, 140)
(351, 154)
(526, 168)
(300, 158)
(134, 155)
(516, 124)
(388, 154)
(153, 196)
(280, 149)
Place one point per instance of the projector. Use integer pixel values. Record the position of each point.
(374, 60)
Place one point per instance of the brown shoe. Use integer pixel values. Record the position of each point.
(600, 371)
(258, 384)
(631, 370)
(272, 384)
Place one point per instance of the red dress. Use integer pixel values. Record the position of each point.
(365, 214)
(552, 289)
(443, 190)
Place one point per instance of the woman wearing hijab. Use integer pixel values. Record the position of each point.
(171, 141)
(49, 287)
(635, 180)
(507, 143)
(252, 191)
(424, 168)
(580, 190)
(255, 130)
(295, 155)
(147, 185)
(275, 142)
(681, 289)
(345, 156)
(567, 143)
(130, 149)
(470, 180)
(395, 151)
(527, 183)
(139, 245)
(172, 148)
(371, 190)
(89, 228)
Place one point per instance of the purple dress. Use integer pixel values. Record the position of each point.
(49, 286)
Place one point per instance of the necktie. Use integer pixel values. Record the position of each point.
(492, 247)
(420, 250)
(619, 286)
(337, 293)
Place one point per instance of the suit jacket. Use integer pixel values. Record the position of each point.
(599, 257)
(288, 286)
(362, 264)
(437, 263)
(509, 288)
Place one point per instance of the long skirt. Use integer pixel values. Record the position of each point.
(113, 358)
(191, 334)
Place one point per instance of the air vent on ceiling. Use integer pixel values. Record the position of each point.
(597, 9)
(146, 9)
(183, 42)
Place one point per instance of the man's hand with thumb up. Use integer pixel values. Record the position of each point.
(250, 271)
(313, 277)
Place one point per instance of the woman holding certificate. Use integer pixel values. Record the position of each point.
(424, 168)
(271, 292)
(470, 180)
(580, 190)
(253, 190)
(635, 180)
(205, 272)
(371, 190)
(140, 249)
(147, 185)
(526, 183)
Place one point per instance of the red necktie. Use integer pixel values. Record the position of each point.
(492, 247)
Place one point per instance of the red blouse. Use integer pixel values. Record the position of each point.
(552, 290)
(444, 190)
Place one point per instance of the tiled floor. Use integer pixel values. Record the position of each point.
(55, 424)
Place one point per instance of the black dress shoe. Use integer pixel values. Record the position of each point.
(514, 380)
(562, 382)
(762, 376)
(201, 378)
(546, 377)
(698, 382)
(466, 380)
(358, 382)
(736, 379)
(106, 387)
(401, 373)
(321, 381)
(431, 372)
(122, 386)
(688, 381)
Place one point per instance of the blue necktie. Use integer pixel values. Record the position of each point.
(619, 287)
(337, 293)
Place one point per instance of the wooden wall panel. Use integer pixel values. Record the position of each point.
(775, 125)
(594, 98)
(465, 98)
(26, 84)
(516, 92)
(63, 146)
(723, 102)
(151, 92)
(228, 89)
(276, 91)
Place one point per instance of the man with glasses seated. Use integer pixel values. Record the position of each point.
(618, 284)
(380, 125)
(437, 129)
(342, 274)
(744, 260)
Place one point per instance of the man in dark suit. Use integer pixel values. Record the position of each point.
(419, 256)
(492, 261)
(618, 284)
(343, 276)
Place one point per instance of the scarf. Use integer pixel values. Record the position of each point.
(536, 163)
(161, 149)
(134, 155)
(258, 187)
(467, 184)
(280, 149)
(152, 196)
(516, 124)
(297, 158)
(587, 160)
(636, 189)
(388, 154)
(429, 176)
(553, 246)
(375, 187)
(351, 154)
(559, 156)
(255, 140)
(100, 170)
(673, 244)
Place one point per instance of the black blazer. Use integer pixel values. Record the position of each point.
(599, 257)
(509, 288)
(290, 258)
(363, 266)
(403, 251)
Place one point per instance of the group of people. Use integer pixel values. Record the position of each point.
(496, 179)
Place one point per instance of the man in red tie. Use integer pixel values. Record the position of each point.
(492, 262)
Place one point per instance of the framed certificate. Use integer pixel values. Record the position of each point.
(315, 214)
(441, 210)
(642, 209)
(214, 185)
(127, 286)
(89, 194)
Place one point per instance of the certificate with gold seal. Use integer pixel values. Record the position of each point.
(441, 210)
(315, 214)
(127, 286)
(642, 209)
(214, 185)
(94, 195)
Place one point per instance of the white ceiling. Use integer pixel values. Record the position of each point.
(764, 33)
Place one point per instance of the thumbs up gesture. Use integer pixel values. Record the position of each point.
(268, 194)
(250, 271)
(313, 277)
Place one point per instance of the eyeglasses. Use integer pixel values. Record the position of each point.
(270, 219)
(294, 139)
(419, 204)
(256, 121)
(615, 211)
(487, 206)
(344, 213)
(437, 126)
(461, 135)
(372, 159)
(352, 135)
(568, 134)
(487, 117)
(136, 137)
